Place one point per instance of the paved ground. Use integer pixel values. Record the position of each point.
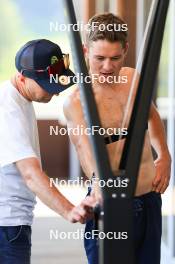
(49, 248)
(61, 251)
(46, 223)
(49, 243)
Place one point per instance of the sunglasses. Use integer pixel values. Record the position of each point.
(56, 68)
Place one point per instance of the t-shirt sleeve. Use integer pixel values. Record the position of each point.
(15, 138)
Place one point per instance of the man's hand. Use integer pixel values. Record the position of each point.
(163, 169)
(82, 212)
(158, 141)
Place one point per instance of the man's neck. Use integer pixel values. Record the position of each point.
(100, 88)
(19, 88)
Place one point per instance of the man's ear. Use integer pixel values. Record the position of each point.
(126, 48)
(21, 78)
(85, 50)
(86, 53)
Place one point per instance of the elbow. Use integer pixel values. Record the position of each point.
(28, 169)
(29, 176)
(169, 158)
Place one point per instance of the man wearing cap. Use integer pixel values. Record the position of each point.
(21, 174)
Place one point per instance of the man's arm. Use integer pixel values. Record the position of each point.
(75, 120)
(158, 141)
(74, 117)
(39, 183)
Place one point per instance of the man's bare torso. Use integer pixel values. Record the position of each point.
(111, 104)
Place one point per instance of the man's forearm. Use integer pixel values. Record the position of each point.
(39, 183)
(163, 161)
(158, 135)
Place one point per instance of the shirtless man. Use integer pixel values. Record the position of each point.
(105, 52)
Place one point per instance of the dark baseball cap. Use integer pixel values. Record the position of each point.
(44, 62)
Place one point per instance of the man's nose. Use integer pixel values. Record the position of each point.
(107, 65)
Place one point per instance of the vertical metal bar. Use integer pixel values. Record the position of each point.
(87, 98)
(117, 219)
(133, 147)
(74, 168)
(117, 216)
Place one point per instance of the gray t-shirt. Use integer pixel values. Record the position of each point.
(18, 140)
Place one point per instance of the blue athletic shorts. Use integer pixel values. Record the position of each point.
(147, 231)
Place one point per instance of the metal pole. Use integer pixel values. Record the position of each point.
(113, 222)
(140, 113)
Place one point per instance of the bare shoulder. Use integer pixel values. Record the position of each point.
(128, 71)
(72, 104)
(132, 76)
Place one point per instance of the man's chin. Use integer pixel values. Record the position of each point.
(43, 100)
(46, 100)
(106, 82)
(108, 78)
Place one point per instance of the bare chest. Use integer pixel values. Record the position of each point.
(111, 110)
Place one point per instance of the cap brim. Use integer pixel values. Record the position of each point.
(57, 84)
